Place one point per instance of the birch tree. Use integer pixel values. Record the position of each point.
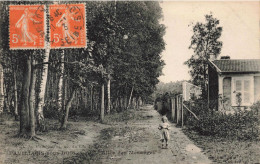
(204, 42)
(60, 89)
(40, 116)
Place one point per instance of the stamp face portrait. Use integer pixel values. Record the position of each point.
(67, 26)
(26, 26)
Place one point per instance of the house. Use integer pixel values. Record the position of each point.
(233, 83)
(190, 90)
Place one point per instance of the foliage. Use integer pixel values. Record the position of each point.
(123, 116)
(243, 124)
(128, 43)
(163, 103)
(125, 41)
(51, 111)
(204, 42)
(162, 95)
(238, 98)
(224, 150)
(171, 87)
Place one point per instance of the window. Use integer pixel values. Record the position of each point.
(246, 91)
(242, 90)
(257, 88)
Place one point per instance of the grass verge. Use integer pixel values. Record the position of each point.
(222, 150)
(123, 116)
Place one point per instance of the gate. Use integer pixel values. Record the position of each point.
(179, 111)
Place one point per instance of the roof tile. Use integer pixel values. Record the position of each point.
(238, 65)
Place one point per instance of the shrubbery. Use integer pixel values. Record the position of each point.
(162, 103)
(51, 111)
(240, 125)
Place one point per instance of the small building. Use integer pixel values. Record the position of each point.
(233, 83)
(190, 90)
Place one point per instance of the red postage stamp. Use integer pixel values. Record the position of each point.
(67, 26)
(26, 26)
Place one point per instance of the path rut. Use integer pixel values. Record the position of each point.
(181, 148)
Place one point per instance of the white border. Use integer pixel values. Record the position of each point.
(44, 29)
(74, 47)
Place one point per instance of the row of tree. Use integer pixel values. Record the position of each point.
(118, 69)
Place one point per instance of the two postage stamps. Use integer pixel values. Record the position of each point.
(28, 25)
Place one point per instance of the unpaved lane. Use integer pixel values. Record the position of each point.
(181, 149)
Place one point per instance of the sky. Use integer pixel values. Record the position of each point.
(240, 35)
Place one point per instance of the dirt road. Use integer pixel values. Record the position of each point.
(181, 149)
(134, 140)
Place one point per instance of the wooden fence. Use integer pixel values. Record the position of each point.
(179, 111)
(175, 108)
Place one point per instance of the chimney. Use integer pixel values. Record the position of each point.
(225, 57)
(212, 57)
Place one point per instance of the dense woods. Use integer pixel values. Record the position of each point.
(117, 71)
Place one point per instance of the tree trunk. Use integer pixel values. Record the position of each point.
(140, 101)
(15, 97)
(39, 110)
(134, 103)
(67, 108)
(204, 81)
(32, 100)
(85, 99)
(1, 88)
(6, 99)
(137, 103)
(108, 95)
(64, 93)
(120, 103)
(102, 112)
(116, 104)
(60, 90)
(129, 102)
(125, 102)
(24, 111)
(91, 97)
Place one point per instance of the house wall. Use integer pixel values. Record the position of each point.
(227, 88)
(213, 88)
(189, 90)
(226, 93)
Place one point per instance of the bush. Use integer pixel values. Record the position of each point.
(162, 104)
(51, 111)
(240, 125)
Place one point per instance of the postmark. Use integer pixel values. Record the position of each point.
(67, 25)
(26, 26)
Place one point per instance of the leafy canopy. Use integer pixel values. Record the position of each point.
(204, 42)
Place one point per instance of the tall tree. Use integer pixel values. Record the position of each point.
(43, 81)
(32, 99)
(80, 71)
(204, 42)
(25, 107)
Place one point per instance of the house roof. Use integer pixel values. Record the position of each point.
(237, 65)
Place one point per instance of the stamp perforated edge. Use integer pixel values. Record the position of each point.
(85, 23)
(45, 30)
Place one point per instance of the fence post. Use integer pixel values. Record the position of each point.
(177, 109)
(173, 108)
(182, 119)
